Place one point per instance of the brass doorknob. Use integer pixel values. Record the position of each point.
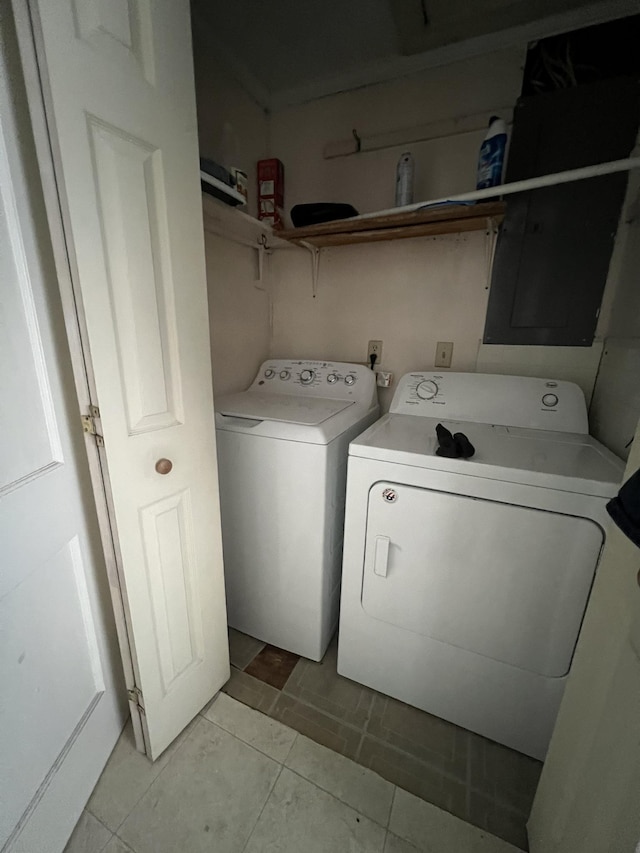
(163, 466)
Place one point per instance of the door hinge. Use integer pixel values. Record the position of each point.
(135, 697)
(91, 424)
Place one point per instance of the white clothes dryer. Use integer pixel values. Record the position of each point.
(465, 581)
(282, 457)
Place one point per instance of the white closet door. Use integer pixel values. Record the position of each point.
(62, 700)
(118, 82)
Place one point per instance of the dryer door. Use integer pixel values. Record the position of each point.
(507, 582)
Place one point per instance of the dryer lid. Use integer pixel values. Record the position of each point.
(282, 408)
(567, 461)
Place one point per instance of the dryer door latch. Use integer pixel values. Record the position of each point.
(381, 556)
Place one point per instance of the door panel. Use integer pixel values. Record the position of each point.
(503, 581)
(119, 94)
(133, 218)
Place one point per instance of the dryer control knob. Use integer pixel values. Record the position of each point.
(269, 374)
(307, 377)
(349, 379)
(550, 400)
(427, 390)
(332, 377)
(284, 374)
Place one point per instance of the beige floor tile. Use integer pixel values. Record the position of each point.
(269, 736)
(433, 830)
(356, 786)
(250, 691)
(503, 775)
(89, 836)
(317, 725)
(207, 798)
(125, 779)
(242, 648)
(407, 772)
(393, 844)
(319, 684)
(299, 816)
(428, 738)
(498, 819)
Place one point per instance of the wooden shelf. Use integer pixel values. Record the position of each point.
(443, 219)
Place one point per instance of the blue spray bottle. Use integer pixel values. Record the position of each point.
(492, 151)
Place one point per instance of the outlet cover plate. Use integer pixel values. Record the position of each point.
(374, 347)
(444, 354)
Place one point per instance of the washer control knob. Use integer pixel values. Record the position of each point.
(550, 400)
(349, 379)
(269, 374)
(332, 377)
(285, 374)
(307, 377)
(427, 390)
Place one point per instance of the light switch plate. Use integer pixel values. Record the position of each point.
(444, 353)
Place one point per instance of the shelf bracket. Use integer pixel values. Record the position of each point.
(315, 265)
(490, 247)
(262, 248)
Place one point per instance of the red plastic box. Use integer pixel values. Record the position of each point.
(271, 191)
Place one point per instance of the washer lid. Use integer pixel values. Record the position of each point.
(284, 408)
(566, 461)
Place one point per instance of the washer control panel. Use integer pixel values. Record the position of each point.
(517, 401)
(333, 379)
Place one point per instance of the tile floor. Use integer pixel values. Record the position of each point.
(237, 781)
(473, 778)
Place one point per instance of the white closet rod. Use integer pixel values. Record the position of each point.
(519, 186)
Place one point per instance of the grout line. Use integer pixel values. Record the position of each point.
(95, 816)
(125, 844)
(293, 743)
(337, 798)
(365, 727)
(246, 742)
(155, 779)
(393, 802)
(467, 802)
(264, 805)
(374, 738)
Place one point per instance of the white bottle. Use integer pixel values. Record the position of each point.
(404, 180)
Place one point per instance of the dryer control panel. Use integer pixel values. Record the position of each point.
(336, 380)
(516, 401)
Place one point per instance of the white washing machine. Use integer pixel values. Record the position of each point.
(465, 581)
(282, 456)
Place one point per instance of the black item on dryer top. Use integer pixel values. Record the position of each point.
(317, 213)
(454, 446)
(624, 509)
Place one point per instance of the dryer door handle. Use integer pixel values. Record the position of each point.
(381, 556)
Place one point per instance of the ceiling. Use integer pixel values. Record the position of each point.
(286, 52)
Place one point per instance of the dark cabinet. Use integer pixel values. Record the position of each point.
(555, 244)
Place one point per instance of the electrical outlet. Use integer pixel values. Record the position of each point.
(444, 353)
(374, 348)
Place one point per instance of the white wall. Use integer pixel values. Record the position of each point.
(221, 99)
(238, 311)
(616, 401)
(443, 167)
(409, 294)
(416, 292)
(238, 314)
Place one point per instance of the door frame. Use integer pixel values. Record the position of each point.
(38, 100)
